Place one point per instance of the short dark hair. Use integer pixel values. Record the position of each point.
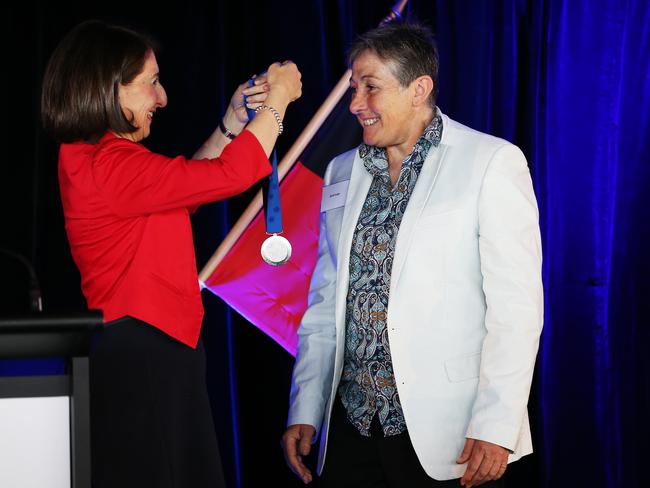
(80, 98)
(408, 47)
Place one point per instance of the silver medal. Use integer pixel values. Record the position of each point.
(276, 250)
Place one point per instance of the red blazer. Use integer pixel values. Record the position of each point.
(127, 220)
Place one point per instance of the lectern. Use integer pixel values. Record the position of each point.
(46, 419)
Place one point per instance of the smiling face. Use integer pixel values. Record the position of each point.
(383, 107)
(141, 98)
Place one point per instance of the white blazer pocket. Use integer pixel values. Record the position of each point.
(463, 368)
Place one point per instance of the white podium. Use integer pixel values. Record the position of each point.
(45, 420)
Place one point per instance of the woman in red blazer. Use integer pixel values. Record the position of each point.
(127, 218)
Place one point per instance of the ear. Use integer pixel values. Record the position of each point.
(422, 88)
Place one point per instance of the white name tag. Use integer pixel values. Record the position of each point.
(334, 195)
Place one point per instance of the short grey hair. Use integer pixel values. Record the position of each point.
(408, 48)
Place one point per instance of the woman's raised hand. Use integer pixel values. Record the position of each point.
(284, 82)
(284, 86)
(236, 116)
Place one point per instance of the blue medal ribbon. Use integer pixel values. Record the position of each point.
(271, 187)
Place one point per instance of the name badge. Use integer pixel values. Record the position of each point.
(334, 195)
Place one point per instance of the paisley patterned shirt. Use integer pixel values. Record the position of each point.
(368, 384)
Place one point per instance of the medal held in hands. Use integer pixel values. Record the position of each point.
(276, 250)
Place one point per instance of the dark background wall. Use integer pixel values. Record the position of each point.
(568, 81)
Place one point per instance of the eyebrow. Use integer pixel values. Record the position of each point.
(365, 77)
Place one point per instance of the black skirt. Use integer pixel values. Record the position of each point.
(151, 422)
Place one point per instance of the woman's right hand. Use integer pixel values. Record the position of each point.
(284, 87)
(284, 83)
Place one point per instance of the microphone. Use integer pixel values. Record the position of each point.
(35, 299)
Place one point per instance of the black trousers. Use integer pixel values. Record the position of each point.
(151, 422)
(355, 461)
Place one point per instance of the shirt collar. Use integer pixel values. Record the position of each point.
(375, 158)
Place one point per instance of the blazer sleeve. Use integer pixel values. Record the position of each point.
(511, 261)
(135, 181)
(314, 367)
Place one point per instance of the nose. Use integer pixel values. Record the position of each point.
(162, 97)
(357, 102)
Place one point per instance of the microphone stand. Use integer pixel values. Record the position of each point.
(35, 299)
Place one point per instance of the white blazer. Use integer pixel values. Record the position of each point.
(465, 308)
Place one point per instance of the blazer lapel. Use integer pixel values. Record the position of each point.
(360, 181)
(421, 193)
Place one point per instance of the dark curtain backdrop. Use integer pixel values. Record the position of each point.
(568, 81)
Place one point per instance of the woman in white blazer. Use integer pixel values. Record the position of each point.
(461, 287)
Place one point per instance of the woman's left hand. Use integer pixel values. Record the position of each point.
(255, 94)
